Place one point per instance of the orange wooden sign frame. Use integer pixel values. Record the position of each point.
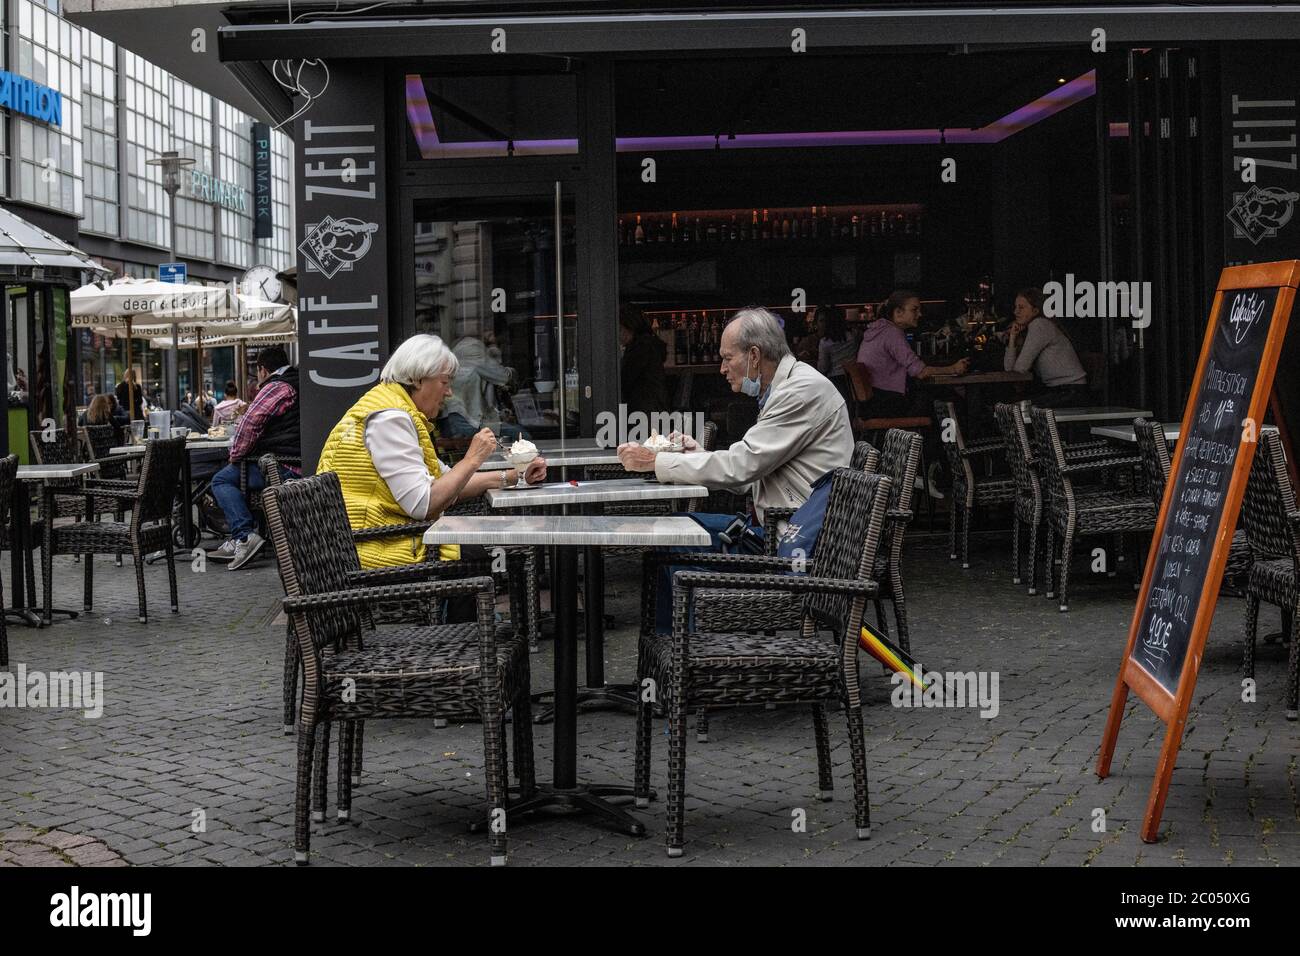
(1172, 709)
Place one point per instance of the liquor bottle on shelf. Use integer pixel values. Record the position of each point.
(873, 225)
(685, 234)
(679, 344)
(717, 339)
(855, 229)
(884, 223)
(900, 224)
(753, 224)
(639, 234)
(661, 231)
(767, 226)
(785, 226)
(699, 230)
(571, 389)
(711, 231)
(733, 232)
(676, 233)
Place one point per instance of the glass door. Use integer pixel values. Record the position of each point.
(491, 274)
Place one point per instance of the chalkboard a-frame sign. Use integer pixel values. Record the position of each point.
(1189, 549)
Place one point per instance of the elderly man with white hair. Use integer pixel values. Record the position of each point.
(383, 452)
(802, 431)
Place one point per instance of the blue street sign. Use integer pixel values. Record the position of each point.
(172, 272)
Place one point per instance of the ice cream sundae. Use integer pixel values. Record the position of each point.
(522, 452)
(658, 442)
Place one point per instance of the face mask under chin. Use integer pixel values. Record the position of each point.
(752, 387)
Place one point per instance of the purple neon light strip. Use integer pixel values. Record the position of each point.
(1056, 100)
(419, 115)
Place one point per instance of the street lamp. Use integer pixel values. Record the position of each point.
(172, 163)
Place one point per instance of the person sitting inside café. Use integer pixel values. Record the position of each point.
(229, 408)
(383, 453)
(270, 426)
(891, 362)
(1038, 344)
(802, 432)
(103, 410)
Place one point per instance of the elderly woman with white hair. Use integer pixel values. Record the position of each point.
(383, 452)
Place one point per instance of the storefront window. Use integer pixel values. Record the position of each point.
(485, 284)
(470, 117)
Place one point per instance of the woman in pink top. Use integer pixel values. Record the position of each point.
(890, 360)
(229, 408)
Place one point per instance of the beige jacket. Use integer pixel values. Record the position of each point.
(802, 432)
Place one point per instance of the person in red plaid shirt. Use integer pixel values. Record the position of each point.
(270, 426)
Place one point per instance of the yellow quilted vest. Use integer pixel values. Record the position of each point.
(369, 501)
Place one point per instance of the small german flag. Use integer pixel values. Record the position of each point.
(883, 650)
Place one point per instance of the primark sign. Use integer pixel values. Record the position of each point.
(208, 188)
(31, 98)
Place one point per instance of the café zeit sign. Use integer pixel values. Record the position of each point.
(208, 188)
(31, 98)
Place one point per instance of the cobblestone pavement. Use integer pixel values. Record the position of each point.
(191, 732)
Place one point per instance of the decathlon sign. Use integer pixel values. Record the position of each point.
(26, 96)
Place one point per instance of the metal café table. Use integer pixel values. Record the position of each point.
(593, 496)
(1125, 433)
(1095, 413)
(22, 511)
(568, 533)
(562, 453)
(187, 478)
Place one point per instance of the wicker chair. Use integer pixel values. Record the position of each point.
(899, 461)
(1072, 511)
(692, 669)
(149, 529)
(520, 578)
(7, 537)
(438, 671)
(66, 448)
(97, 442)
(969, 490)
(1154, 449)
(1271, 522)
(1028, 507)
(8, 475)
(778, 611)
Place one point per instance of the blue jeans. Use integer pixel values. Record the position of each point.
(714, 524)
(225, 488)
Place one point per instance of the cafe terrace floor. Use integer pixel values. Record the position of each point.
(191, 722)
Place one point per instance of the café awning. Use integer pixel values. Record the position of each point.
(141, 300)
(29, 253)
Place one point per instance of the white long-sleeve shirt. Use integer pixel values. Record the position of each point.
(394, 447)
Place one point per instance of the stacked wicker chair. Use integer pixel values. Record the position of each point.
(1072, 511)
(8, 475)
(969, 491)
(149, 528)
(1271, 527)
(1154, 450)
(436, 671)
(742, 667)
